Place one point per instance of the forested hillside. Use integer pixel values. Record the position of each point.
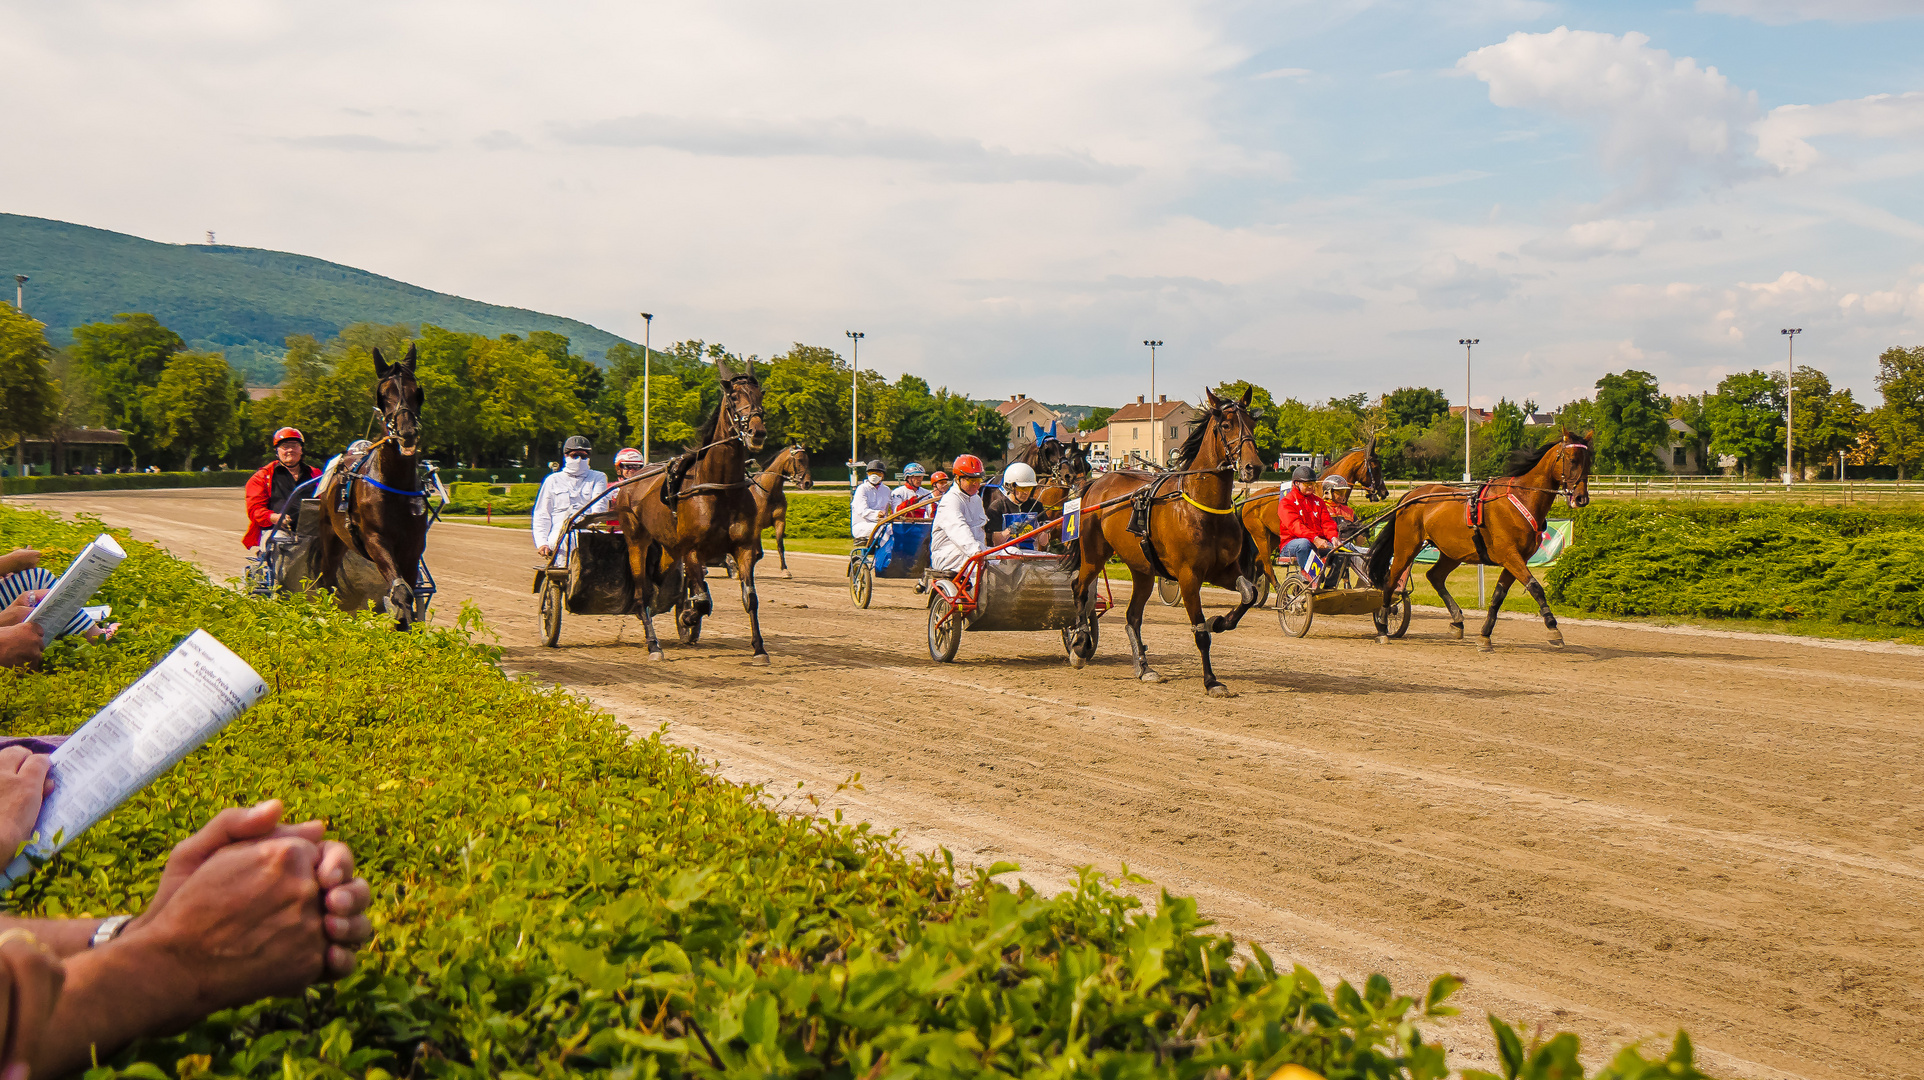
(244, 302)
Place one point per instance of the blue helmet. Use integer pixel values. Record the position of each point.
(913, 468)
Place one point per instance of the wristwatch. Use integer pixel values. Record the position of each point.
(109, 929)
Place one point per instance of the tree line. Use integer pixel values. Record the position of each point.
(489, 401)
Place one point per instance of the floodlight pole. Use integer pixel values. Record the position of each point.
(854, 390)
(1468, 344)
(20, 293)
(1155, 425)
(1790, 399)
(647, 336)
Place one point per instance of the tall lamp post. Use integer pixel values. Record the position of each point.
(20, 293)
(854, 388)
(1155, 454)
(1790, 398)
(1468, 343)
(647, 335)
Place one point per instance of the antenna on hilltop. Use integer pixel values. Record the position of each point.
(210, 238)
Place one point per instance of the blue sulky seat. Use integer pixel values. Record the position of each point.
(903, 551)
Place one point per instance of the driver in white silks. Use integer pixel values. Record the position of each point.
(562, 494)
(959, 518)
(868, 504)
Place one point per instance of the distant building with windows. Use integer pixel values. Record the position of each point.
(1021, 411)
(1682, 454)
(1148, 431)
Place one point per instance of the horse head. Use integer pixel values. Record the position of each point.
(397, 397)
(796, 468)
(1373, 471)
(1232, 423)
(741, 404)
(1573, 468)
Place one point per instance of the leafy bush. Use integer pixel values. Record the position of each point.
(1858, 566)
(816, 517)
(478, 498)
(555, 896)
(44, 485)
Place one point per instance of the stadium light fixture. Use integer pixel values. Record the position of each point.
(1790, 396)
(647, 335)
(854, 390)
(1155, 424)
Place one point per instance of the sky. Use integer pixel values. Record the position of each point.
(1011, 197)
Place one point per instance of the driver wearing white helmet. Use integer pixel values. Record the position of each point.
(1016, 496)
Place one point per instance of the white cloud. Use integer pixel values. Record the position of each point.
(1784, 12)
(1791, 292)
(1589, 239)
(1658, 117)
(1286, 73)
(1782, 136)
(1448, 281)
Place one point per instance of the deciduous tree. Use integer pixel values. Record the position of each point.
(1630, 423)
(28, 401)
(193, 408)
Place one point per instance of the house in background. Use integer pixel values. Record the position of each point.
(1149, 430)
(1021, 411)
(1682, 454)
(73, 450)
(1096, 441)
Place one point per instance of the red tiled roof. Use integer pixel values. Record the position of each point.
(1140, 411)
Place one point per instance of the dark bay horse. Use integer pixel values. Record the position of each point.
(1194, 533)
(1061, 468)
(701, 509)
(771, 505)
(386, 518)
(1361, 467)
(1511, 512)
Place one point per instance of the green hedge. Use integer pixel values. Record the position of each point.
(818, 517)
(556, 897)
(42, 485)
(479, 498)
(1683, 558)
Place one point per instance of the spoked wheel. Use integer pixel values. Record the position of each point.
(551, 613)
(1089, 647)
(945, 629)
(687, 622)
(861, 583)
(1294, 606)
(1395, 619)
(1168, 591)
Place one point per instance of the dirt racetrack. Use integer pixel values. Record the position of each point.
(1642, 831)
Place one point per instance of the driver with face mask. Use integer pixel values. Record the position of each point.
(869, 502)
(563, 493)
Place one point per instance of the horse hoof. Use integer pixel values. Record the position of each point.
(1483, 645)
(1076, 662)
(759, 660)
(1150, 677)
(1218, 691)
(1556, 639)
(1382, 639)
(788, 575)
(1456, 631)
(657, 656)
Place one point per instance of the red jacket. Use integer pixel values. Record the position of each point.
(266, 490)
(1304, 516)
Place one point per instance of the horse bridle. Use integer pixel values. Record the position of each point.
(1220, 416)
(400, 406)
(1565, 488)
(738, 419)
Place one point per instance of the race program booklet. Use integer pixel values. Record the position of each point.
(77, 586)
(196, 690)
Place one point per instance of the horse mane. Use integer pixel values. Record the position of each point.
(1192, 442)
(1525, 458)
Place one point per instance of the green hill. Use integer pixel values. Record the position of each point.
(242, 301)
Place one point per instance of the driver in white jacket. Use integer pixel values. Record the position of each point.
(563, 493)
(959, 518)
(869, 502)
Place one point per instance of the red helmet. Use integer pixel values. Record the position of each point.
(630, 456)
(287, 433)
(968, 467)
(938, 477)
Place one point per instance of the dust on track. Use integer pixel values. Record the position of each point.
(1642, 831)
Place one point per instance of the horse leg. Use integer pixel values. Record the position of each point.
(1535, 587)
(1140, 586)
(1502, 589)
(1439, 575)
(643, 570)
(700, 600)
(745, 559)
(1246, 594)
(399, 599)
(781, 550)
(1192, 603)
(1092, 557)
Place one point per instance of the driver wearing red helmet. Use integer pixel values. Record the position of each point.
(270, 491)
(960, 521)
(628, 463)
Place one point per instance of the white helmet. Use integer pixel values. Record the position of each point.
(1019, 475)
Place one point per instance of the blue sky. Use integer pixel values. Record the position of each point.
(1006, 198)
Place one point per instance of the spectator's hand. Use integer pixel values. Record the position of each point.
(21, 645)
(544, 551)
(17, 560)
(24, 782)
(16, 613)
(344, 901)
(31, 977)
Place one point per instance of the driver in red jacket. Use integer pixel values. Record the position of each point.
(269, 490)
(1303, 519)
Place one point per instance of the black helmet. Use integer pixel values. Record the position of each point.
(878, 465)
(1303, 473)
(576, 442)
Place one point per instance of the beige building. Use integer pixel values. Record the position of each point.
(1097, 441)
(1148, 431)
(1021, 411)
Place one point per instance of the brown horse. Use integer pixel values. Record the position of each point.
(386, 518)
(1061, 469)
(1193, 533)
(700, 508)
(1361, 467)
(771, 505)
(1511, 512)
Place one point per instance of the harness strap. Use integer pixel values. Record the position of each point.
(1524, 510)
(1230, 509)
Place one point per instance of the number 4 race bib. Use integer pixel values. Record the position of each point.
(1072, 519)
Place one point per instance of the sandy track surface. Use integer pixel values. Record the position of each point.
(1641, 831)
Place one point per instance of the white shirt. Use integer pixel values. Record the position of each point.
(906, 494)
(867, 505)
(959, 529)
(561, 495)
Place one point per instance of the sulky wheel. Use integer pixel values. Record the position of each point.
(945, 629)
(861, 583)
(551, 613)
(1295, 605)
(1168, 591)
(1395, 619)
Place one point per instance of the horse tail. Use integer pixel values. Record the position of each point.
(1383, 550)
